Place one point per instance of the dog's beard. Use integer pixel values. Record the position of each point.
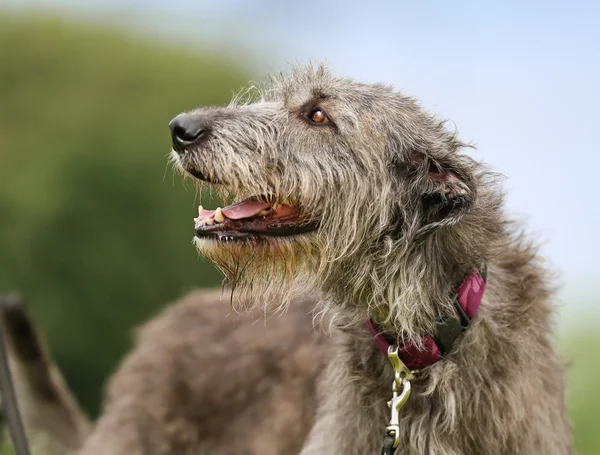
(268, 273)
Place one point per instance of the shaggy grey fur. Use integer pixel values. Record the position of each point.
(404, 215)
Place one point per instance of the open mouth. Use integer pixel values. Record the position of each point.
(252, 218)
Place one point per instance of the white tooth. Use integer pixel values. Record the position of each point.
(219, 218)
(262, 213)
(276, 205)
(287, 201)
(209, 221)
(195, 220)
(200, 208)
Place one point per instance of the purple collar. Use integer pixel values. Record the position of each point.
(466, 298)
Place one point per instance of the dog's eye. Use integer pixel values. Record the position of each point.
(319, 117)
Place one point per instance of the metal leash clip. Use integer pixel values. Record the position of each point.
(401, 392)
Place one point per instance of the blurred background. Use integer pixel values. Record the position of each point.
(96, 231)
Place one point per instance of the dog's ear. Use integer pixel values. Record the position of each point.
(447, 191)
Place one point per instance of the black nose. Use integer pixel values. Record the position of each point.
(187, 129)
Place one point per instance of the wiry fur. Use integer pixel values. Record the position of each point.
(404, 216)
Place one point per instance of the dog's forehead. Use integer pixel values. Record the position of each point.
(307, 84)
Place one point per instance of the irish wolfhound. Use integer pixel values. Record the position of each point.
(351, 192)
(355, 191)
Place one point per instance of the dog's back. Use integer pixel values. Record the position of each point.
(204, 380)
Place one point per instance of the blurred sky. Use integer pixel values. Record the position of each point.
(520, 79)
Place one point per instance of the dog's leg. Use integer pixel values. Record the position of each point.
(52, 416)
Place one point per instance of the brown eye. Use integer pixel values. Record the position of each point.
(319, 117)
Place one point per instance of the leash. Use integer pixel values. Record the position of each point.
(10, 404)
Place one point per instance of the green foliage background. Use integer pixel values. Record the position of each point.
(94, 228)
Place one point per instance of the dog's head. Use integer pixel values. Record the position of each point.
(326, 181)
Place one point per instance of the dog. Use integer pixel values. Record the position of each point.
(346, 207)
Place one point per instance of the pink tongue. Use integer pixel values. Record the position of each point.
(205, 214)
(244, 209)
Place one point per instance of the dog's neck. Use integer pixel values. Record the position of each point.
(404, 283)
(466, 299)
(420, 280)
